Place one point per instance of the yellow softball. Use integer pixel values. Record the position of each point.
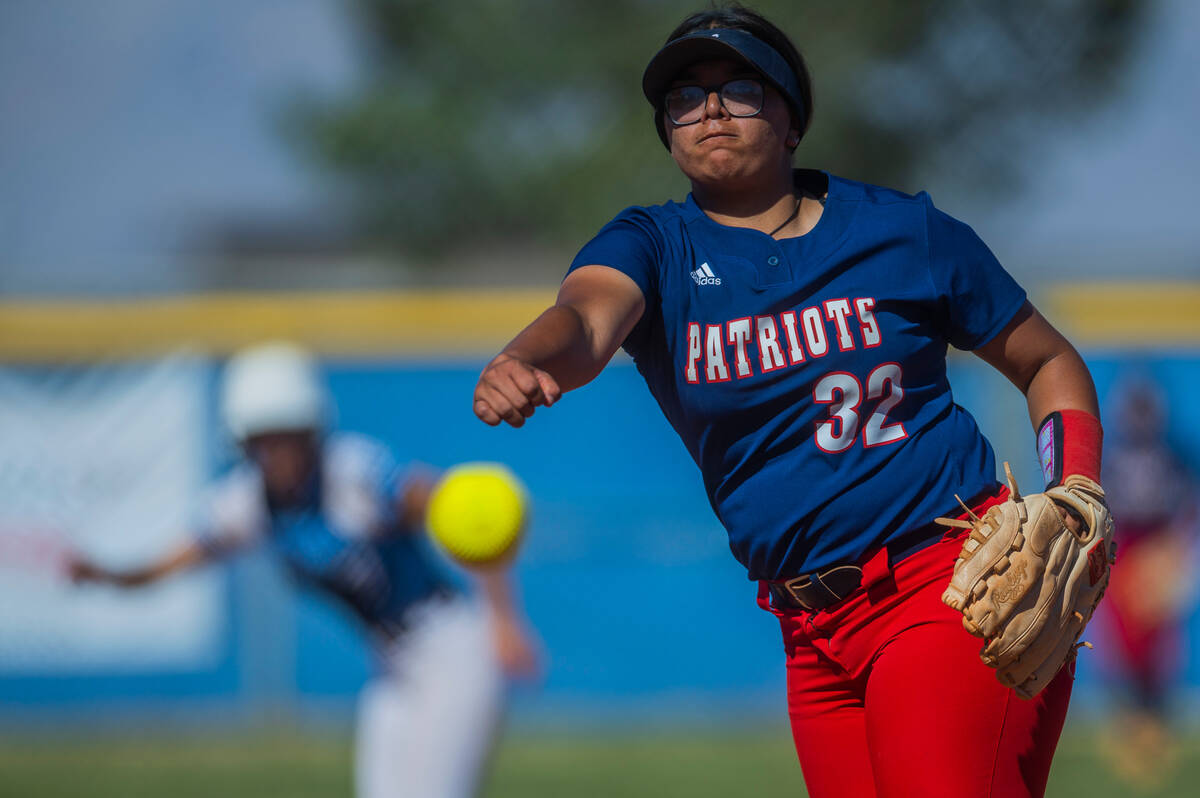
(477, 512)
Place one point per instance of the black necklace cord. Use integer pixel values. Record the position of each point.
(795, 212)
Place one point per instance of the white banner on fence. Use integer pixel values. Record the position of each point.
(107, 461)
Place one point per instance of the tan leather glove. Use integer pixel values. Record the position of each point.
(1028, 584)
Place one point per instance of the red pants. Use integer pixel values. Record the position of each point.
(888, 697)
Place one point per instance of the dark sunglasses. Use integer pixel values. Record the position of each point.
(684, 105)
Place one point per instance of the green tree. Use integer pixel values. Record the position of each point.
(510, 120)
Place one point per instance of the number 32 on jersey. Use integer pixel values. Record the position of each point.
(845, 395)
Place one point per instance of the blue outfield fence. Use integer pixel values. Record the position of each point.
(625, 572)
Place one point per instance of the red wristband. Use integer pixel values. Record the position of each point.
(1068, 442)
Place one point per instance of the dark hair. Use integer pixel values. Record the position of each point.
(736, 16)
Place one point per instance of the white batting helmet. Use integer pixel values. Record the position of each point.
(273, 387)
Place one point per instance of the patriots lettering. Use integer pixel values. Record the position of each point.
(770, 355)
(814, 332)
(870, 330)
(715, 369)
(693, 352)
(836, 310)
(806, 333)
(739, 336)
(795, 351)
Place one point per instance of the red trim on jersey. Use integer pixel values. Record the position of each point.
(793, 335)
(838, 311)
(813, 327)
(876, 384)
(768, 345)
(741, 345)
(714, 354)
(866, 318)
(691, 372)
(847, 428)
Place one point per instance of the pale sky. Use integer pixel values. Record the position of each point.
(1119, 194)
(123, 124)
(126, 126)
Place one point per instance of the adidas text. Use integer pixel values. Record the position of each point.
(703, 275)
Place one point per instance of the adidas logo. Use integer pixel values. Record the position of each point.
(703, 275)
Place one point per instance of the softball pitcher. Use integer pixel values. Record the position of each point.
(346, 521)
(793, 327)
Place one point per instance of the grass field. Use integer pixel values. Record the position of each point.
(695, 765)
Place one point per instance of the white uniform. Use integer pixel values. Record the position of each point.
(426, 723)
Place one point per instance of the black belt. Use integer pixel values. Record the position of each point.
(817, 590)
(821, 589)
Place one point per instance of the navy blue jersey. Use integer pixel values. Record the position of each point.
(807, 376)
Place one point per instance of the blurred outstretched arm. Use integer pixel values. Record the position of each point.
(186, 556)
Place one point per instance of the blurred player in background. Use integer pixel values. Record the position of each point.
(345, 520)
(1153, 498)
(793, 327)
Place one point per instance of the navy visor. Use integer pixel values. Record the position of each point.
(718, 43)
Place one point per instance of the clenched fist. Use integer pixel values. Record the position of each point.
(510, 389)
